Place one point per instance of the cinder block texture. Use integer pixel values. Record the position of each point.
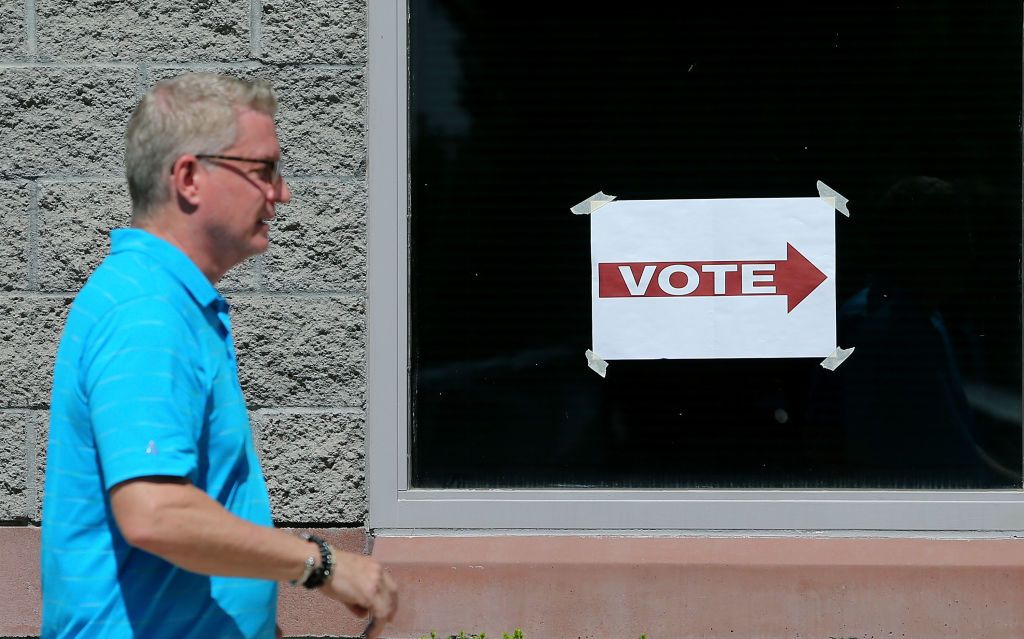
(300, 351)
(75, 220)
(244, 277)
(314, 465)
(15, 199)
(154, 30)
(40, 421)
(318, 242)
(12, 29)
(64, 121)
(325, 32)
(13, 465)
(321, 120)
(30, 329)
(320, 115)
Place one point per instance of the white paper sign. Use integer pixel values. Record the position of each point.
(708, 279)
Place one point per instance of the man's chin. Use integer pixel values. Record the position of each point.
(255, 247)
(261, 242)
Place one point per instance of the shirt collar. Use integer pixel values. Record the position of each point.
(168, 256)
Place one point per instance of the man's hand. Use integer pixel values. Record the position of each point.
(361, 584)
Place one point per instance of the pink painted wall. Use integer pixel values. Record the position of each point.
(666, 588)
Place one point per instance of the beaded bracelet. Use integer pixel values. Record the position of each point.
(322, 572)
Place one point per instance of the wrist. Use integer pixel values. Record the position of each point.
(322, 568)
(308, 566)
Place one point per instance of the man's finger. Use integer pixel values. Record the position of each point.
(357, 610)
(385, 599)
(393, 594)
(371, 626)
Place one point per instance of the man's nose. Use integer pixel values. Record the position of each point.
(281, 193)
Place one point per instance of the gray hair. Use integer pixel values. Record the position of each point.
(188, 114)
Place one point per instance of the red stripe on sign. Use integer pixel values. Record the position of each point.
(794, 277)
(681, 279)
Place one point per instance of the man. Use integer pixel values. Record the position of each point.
(156, 520)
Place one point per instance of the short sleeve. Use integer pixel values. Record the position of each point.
(142, 377)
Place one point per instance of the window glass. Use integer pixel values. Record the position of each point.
(910, 109)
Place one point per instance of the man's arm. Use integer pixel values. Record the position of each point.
(173, 519)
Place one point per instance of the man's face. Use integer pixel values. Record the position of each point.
(239, 197)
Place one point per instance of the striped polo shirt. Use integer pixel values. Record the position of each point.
(146, 384)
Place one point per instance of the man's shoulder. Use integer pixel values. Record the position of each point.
(129, 287)
(129, 279)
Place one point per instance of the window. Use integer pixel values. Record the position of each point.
(515, 112)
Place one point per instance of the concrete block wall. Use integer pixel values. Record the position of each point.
(71, 71)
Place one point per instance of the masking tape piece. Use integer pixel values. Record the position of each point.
(596, 364)
(837, 357)
(838, 201)
(592, 203)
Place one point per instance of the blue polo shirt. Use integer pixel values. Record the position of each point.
(146, 384)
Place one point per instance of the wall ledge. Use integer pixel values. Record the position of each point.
(604, 587)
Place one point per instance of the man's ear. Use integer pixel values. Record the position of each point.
(185, 180)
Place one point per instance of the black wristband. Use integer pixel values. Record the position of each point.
(322, 572)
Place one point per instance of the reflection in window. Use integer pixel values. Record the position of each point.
(911, 110)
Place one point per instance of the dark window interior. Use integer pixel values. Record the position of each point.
(520, 110)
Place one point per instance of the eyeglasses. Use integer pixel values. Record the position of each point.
(271, 176)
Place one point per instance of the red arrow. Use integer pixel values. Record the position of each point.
(795, 277)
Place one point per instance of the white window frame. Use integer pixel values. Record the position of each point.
(394, 507)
